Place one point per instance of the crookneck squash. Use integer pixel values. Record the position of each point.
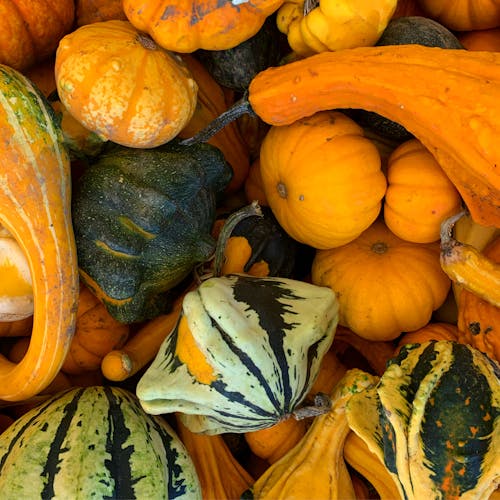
(412, 85)
(94, 442)
(188, 25)
(244, 353)
(433, 419)
(142, 220)
(35, 210)
(385, 285)
(322, 179)
(118, 83)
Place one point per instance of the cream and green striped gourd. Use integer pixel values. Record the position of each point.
(243, 355)
(94, 442)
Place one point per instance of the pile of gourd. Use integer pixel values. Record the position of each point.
(250, 249)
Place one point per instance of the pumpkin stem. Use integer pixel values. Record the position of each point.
(322, 404)
(447, 225)
(239, 108)
(227, 229)
(146, 41)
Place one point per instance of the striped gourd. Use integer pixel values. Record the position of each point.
(35, 191)
(434, 421)
(243, 354)
(94, 442)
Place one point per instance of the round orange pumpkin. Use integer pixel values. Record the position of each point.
(478, 320)
(322, 179)
(118, 83)
(95, 11)
(463, 15)
(488, 40)
(188, 25)
(384, 285)
(31, 29)
(419, 195)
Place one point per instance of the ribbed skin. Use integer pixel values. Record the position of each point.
(94, 442)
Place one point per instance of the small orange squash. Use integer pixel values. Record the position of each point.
(431, 331)
(189, 25)
(31, 29)
(121, 85)
(463, 15)
(478, 320)
(95, 11)
(384, 285)
(419, 195)
(322, 179)
(481, 39)
(35, 209)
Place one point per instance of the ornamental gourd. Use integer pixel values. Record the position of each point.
(419, 195)
(322, 179)
(243, 354)
(35, 210)
(94, 442)
(400, 83)
(384, 285)
(118, 83)
(142, 220)
(433, 419)
(189, 25)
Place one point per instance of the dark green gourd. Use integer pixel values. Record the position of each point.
(142, 220)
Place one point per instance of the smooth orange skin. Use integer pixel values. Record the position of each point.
(383, 294)
(419, 195)
(35, 208)
(322, 179)
(463, 15)
(119, 84)
(31, 29)
(488, 40)
(412, 85)
(189, 25)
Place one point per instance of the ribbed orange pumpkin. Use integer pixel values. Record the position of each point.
(95, 11)
(322, 179)
(463, 15)
(121, 85)
(31, 29)
(479, 321)
(419, 195)
(188, 25)
(384, 285)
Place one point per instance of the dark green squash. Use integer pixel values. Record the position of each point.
(143, 220)
(434, 420)
(403, 31)
(234, 68)
(94, 442)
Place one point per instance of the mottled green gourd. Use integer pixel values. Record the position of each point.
(434, 421)
(243, 354)
(143, 219)
(94, 442)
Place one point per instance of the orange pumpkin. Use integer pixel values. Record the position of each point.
(95, 11)
(253, 187)
(31, 29)
(384, 285)
(188, 25)
(322, 179)
(463, 15)
(478, 320)
(419, 195)
(488, 40)
(121, 85)
(431, 331)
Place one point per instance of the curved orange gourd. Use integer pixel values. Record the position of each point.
(35, 208)
(414, 86)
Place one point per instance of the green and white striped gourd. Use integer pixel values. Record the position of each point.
(94, 442)
(434, 421)
(243, 354)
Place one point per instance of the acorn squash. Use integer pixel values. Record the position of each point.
(142, 220)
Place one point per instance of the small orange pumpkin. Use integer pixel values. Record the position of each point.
(463, 15)
(121, 85)
(188, 25)
(95, 11)
(384, 285)
(478, 320)
(488, 40)
(419, 195)
(30, 30)
(431, 331)
(322, 179)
